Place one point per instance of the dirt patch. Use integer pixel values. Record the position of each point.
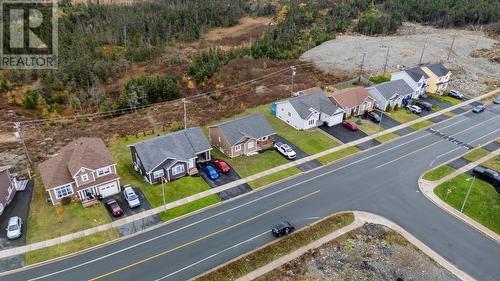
(473, 75)
(372, 252)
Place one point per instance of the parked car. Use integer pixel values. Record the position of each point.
(455, 94)
(349, 125)
(283, 228)
(211, 172)
(415, 109)
(132, 198)
(222, 166)
(479, 108)
(285, 150)
(114, 208)
(374, 117)
(14, 228)
(496, 101)
(424, 105)
(487, 175)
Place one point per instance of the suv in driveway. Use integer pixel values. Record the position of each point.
(14, 228)
(424, 105)
(374, 117)
(131, 196)
(415, 109)
(285, 150)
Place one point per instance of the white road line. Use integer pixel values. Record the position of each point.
(441, 155)
(212, 256)
(228, 210)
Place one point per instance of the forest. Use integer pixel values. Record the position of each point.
(99, 42)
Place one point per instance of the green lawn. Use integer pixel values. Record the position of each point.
(273, 177)
(438, 173)
(493, 163)
(367, 126)
(334, 156)
(483, 204)
(189, 207)
(402, 115)
(386, 137)
(380, 78)
(421, 125)
(445, 98)
(476, 154)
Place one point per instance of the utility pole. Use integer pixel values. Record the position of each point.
(386, 59)
(451, 47)
(163, 193)
(423, 49)
(477, 40)
(362, 64)
(468, 192)
(19, 134)
(293, 77)
(185, 113)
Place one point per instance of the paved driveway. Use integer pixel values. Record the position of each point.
(343, 134)
(492, 146)
(224, 179)
(388, 122)
(300, 154)
(437, 102)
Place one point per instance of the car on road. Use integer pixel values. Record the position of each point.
(496, 101)
(283, 228)
(14, 228)
(479, 108)
(455, 94)
(415, 109)
(131, 197)
(487, 175)
(424, 105)
(374, 117)
(222, 166)
(114, 208)
(285, 150)
(349, 125)
(211, 172)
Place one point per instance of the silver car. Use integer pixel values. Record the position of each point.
(131, 197)
(14, 228)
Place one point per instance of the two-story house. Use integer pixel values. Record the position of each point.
(7, 188)
(415, 77)
(84, 168)
(439, 77)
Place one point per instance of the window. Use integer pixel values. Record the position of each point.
(63, 191)
(250, 145)
(264, 138)
(158, 174)
(219, 139)
(85, 177)
(103, 171)
(237, 147)
(310, 122)
(178, 169)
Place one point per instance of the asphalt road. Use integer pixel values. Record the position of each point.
(382, 180)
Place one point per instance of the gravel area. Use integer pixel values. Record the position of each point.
(372, 252)
(343, 55)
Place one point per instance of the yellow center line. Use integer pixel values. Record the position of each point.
(427, 146)
(203, 237)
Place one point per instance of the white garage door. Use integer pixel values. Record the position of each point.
(108, 189)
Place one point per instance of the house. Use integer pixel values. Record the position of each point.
(7, 188)
(170, 156)
(391, 93)
(415, 77)
(354, 101)
(312, 108)
(243, 136)
(84, 168)
(439, 77)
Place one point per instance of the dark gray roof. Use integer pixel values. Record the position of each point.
(254, 126)
(388, 89)
(318, 101)
(416, 73)
(182, 145)
(438, 69)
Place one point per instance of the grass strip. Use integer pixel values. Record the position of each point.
(273, 177)
(282, 247)
(334, 156)
(438, 173)
(476, 154)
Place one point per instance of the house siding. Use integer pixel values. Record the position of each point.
(166, 166)
(137, 162)
(177, 176)
(293, 119)
(83, 171)
(433, 81)
(223, 145)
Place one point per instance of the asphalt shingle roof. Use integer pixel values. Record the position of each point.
(182, 145)
(438, 69)
(351, 97)
(416, 73)
(255, 126)
(388, 89)
(318, 101)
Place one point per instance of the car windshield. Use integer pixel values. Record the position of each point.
(132, 196)
(13, 227)
(289, 150)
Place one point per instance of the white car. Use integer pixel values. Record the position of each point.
(415, 109)
(131, 197)
(285, 149)
(14, 228)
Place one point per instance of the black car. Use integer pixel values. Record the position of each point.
(424, 105)
(374, 117)
(487, 175)
(283, 228)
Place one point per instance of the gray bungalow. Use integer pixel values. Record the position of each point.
(171, 156)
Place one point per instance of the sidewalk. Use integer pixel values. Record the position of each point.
(360, 218)
(427, 188)
(157, 210)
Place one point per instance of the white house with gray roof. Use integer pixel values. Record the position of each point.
(170, 156)
(309, 110)
(415, 77)
(391, 93)
(243, 136)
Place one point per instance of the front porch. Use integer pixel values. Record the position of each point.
(266, 144)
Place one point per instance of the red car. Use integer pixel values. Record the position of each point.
(222, 166)
(349, 125)
(114, 208)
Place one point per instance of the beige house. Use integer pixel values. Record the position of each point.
(83, 168)
(243, 136)
(354, 101)
(439, 78)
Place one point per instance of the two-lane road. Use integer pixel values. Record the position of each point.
(382, 180)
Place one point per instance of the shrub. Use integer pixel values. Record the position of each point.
(30, 100)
